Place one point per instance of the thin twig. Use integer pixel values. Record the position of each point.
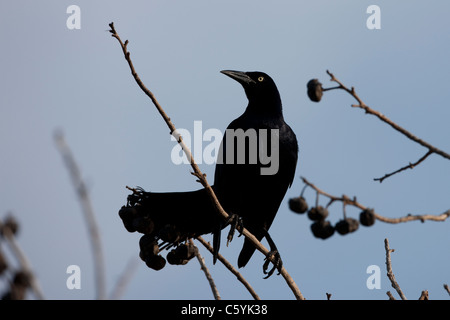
(391, 297)
(201, 177)
(395, 126)
(353, 202)
(447, 288)
(86, 206)
(230, 267)
(409, 166)
(23, 261)
(390, 274)
(208, 276)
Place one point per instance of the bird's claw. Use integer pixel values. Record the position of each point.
(235, 221)
(275, 258)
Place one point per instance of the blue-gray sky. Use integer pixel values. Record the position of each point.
(78, 81)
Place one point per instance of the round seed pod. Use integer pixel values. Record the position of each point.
(148, 245)
(173, 258)
(155, 262)
(322, 229)
(143, 225)
(298, 205)
(315, 90)
(317, 213)
(367, 217)
(346, 226)
(181, 254)
(22, 278)
(127, 214)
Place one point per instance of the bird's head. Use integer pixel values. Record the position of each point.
(261, 91)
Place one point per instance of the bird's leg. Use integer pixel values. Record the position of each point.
(273, 256)
(235, 221)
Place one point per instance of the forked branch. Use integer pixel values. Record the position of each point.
(431, 149)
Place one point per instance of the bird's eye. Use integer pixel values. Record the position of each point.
(261, 79)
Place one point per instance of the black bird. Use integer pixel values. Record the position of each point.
(251, 178)
(244, 189)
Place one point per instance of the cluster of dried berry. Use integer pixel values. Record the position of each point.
(322, 228)
(156, 235)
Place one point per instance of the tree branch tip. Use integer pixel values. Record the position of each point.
(389, 294)
(331, 75)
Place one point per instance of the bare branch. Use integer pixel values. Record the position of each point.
(230, 267)
(390, 274)
(203, 266)
(395, 126)
(88, 211)
(353, 202)
(201, 177)
(409, 166)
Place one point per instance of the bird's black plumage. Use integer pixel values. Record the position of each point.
(252, 190)
(243, 189)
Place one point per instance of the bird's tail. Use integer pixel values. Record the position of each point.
(190, 213)
(247, 251)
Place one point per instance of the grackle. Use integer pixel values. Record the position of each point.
(255, 167)
(243, 189)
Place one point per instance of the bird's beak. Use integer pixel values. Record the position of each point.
(239, 76)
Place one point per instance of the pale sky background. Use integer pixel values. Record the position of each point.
(78, 81)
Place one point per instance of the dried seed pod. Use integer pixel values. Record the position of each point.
(315, 90)
(181, 254)
(155, 262)
(143, 225)
(128, 214)
(148, 245)
(22, 278)
(317, 213)
(186, 251)
(346, 226)
(298, 205)
(367, 217)
(322, 229)
(172, 257)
